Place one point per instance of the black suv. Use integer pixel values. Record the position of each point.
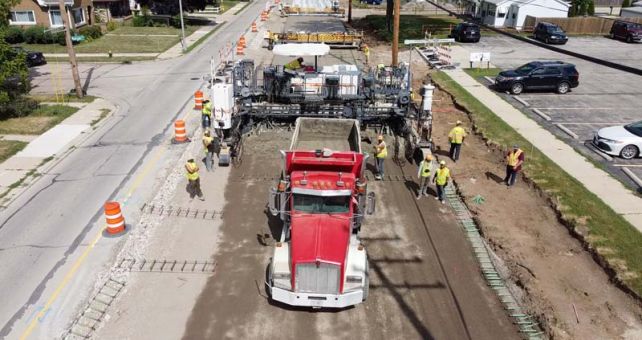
(539, 75)
(550, 33)
(32, 58)
(465, 32)
(628, 31)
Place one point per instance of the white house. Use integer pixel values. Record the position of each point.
(631, 12)
(512, 13)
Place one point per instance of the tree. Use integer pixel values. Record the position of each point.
(14, 73)
(579, 7)
(626, 3)
(5, 7)
(591, 8)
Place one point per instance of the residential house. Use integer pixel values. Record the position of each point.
(631, 12)
(106, 10)
(512, 13)
(470, 7)
(47, 13)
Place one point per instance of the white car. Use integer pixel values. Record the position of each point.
(624, 140)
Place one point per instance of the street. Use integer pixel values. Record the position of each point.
(49, 227)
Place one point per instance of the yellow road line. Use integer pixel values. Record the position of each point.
(137, 181)
(61, 286)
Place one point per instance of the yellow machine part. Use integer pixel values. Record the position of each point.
(318, 37)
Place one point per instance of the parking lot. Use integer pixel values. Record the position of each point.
(605, 96)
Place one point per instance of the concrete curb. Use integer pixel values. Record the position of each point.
(542, 114)
(522, 101)
(567, 131)
(633, 176)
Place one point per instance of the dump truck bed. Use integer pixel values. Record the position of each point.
(326, 133)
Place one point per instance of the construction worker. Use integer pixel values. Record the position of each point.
(206, 114)
(209, 147)
(381, 152)
(294, 64)
(456, 138)
(366, 51)
(194, 182)
(514, 161)
(442, 175)
(423, 173)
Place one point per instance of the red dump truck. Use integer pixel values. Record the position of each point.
(322, 199)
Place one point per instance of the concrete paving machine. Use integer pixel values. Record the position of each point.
(245, 95)
(321, 199)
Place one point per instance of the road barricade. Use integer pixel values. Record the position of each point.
(114, 217)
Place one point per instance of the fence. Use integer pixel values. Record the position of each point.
(578, 25)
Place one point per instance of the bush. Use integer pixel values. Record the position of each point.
(92, 32)
(626, 3)
(18, 107)
(112, 25)
(59, 37)
(591, 8)
(34, 35)
(14, 35)
(142, 21)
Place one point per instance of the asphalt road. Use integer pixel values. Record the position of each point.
(605, 96)
(425, 283)
(44, 234)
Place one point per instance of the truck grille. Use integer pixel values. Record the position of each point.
(323, 279)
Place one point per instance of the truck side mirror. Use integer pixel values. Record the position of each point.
(370, 203)
(273, 202)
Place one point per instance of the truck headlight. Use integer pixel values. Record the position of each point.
(282, 280)
(353, 282)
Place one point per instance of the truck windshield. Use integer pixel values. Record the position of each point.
(321, 204)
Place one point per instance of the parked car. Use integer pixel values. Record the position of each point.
(32, 58)
(623, 140)
(550, 33)
(629, 31)
(539, 75)
(465, 31)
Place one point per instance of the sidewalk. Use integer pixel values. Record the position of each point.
(16, 170)
(611, 191)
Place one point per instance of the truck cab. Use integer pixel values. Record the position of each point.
(322, 196)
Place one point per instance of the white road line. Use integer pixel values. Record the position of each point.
(489, 79)
(628, 165)
(542, 114)
(566, 130)
(632, 176)
(588, 108)
(525, 103)
(593, 123)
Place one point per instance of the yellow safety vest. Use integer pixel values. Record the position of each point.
(457, 135)
(442, 176)
(207, 109)
(366, 51)
(192, 171)
(382, 150)
(425, 168)
(293, 65)
(207, 141)
(513, 157)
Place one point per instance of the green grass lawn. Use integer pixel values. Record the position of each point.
(119, 60)
(410, 26)
(63, 98)
(9, 148)
(153, 30)
(42, 119)
(607, 232)
(482, 72)
(227, 4)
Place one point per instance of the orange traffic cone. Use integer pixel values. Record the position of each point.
(180, 134)
(114, 217)
(254, 28)
(242, 41)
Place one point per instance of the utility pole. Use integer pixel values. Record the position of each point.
(70, 48)
(180, 8)
(395, 34)
(349, 11)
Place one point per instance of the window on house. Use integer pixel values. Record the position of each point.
(501, 15)
(514, 16)
(79, 16)
(55, 18)
(23, 17)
